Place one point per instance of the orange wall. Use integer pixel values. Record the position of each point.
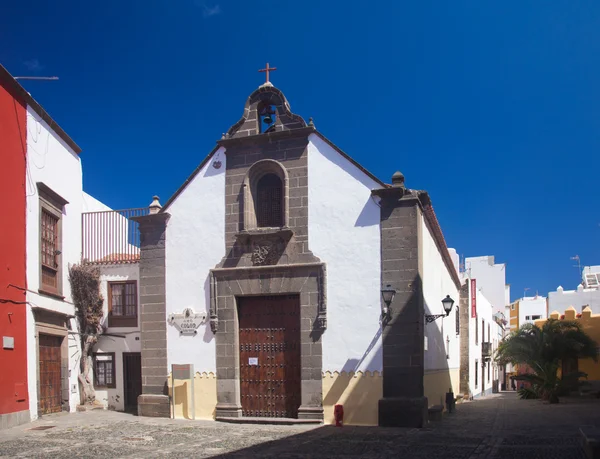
(13, 362)
(514, 316)
(591, 325)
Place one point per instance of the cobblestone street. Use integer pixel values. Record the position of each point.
(499, 426)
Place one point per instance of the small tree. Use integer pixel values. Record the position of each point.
(544, 350)
(85, 290)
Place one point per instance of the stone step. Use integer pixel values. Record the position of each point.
(276, 421)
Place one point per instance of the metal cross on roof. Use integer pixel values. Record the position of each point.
(267, 70)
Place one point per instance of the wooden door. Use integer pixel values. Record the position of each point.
(132, 379)
(50, 377)
(270, 356)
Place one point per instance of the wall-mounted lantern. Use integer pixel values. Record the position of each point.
(387, 293)
(447, 303)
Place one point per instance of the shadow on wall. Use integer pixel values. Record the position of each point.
(181, 399)
(216, 165)
(439, 378)
(369, 215)
(358, 391)
(205, 396)
(208, 334)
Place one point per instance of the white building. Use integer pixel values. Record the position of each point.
(491, 280)
(264, 273)
(527, 310)
(55, 203)
(586, 294)
(481, 331)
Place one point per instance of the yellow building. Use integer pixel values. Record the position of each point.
(591, 325)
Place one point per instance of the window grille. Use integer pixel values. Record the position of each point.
(269, 208)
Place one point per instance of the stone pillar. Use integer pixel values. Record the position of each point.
(403, 403)
(154, 400)
(465, 314)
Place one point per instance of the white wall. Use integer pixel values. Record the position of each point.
(130, 340)
(491, 278)
(530, 306)
(437, 283)
(91, 204)
(561, 299)
(485, 313)
(344, 232)
(455, 257)
(51, 161)
(195, 243)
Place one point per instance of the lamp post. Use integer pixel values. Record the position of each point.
(387, 293)
(447, 303)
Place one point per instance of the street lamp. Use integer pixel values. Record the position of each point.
(447, 303)
(387, 293)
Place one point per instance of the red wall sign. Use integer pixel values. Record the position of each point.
(473, 298)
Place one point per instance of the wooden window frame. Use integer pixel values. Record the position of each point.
(113, 385)
(122, 320)
(52, 204)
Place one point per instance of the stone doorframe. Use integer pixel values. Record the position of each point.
(48, 322)
(308, 280)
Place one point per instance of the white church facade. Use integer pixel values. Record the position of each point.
(278, 246)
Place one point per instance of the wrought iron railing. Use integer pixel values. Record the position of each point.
(111, 237)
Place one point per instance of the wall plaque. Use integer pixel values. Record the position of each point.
(187, 322)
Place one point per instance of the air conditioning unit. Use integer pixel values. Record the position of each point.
(486, 350)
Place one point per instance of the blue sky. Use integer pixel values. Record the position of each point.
(493, 107)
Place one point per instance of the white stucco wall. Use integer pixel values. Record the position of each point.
(491, 279)
(530, 306)
(561, 299)
(195, 243)
(455, 257)
(51, 161)
(437, 283)
(343, 231)
(91, 204)
(484, 313)
(128, 341)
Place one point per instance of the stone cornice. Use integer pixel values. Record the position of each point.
(267, 137)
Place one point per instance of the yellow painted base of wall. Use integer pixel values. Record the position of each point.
(358, 392)
(205, 396)
(437, 382)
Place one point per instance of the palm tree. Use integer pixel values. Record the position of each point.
(544, 350)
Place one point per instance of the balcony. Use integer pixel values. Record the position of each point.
(486, 350)
(111, 237)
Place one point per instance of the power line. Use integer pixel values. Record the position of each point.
(35, 78)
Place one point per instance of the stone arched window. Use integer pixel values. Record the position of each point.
(266, 196)
(269, 202)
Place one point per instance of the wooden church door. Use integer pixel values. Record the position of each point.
(269, 339)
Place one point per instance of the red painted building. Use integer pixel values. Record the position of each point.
(14, 400)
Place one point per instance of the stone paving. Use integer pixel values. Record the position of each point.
(498, 426)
